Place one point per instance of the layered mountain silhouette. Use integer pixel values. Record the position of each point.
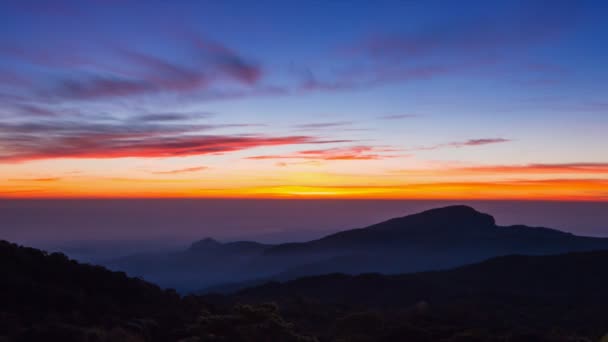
(558, 298)
(48, 297)
(431, 240)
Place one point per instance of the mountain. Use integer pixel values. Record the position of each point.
(509, 298)
(572, 276)
(434, 239)
(557, 298)
(450, 227)
(48, 297)
(206, 262)
(431, 240)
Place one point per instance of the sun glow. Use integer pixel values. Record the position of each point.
(546, 189)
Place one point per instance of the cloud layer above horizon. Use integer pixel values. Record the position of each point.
(231, 99)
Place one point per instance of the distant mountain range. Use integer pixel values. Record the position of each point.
(431, 240)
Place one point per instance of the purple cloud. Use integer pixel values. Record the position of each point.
(134, 73)
(323, 125)
(228, 61)
(98, 87)
(343, 153)
(466, 143)
(397, 116)
(83, 139)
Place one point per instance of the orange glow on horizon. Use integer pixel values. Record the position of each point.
(552, 189)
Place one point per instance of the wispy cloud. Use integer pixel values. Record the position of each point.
(324, 125)
(99, 87)
(521, 171)
(465, 143)
(398, 116)
(85, 139)
(228, 61)
(515, 27)
(101, 147)
(363, 77)
(449, 47)
(27, 109)
(46, 179)
(169, 117)
(345, 153)
(179, 171)
(135, 73)
(557, 168)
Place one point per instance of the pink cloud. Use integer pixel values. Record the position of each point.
(346, 153)
(465, 143)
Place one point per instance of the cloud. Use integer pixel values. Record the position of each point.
(13, 79)
(169, 117)
(306, 162)
(512, 28)
(117, 139)
(465, 143)
(345, 153)
(99, 146)
(178, 171)
(205, 65)
(324, 125)
(61, 56)
(478, 142)
(397, 116)
(165, 75)
(27, 109)
(449, 47)
(99, 87)
(201, 67)
(47, 179)
(366, 76)
(517, 170)
(557, 168)
(228, 61)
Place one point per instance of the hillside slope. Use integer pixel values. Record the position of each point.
(48, 297)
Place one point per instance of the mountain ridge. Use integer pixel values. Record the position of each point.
(435, 239)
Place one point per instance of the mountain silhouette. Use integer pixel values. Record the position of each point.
(450, 227)
(48, 297)
(578, 274)
(509, 298)
(431, 240)
(554, 298)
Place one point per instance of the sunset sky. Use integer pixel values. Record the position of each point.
(304, 99)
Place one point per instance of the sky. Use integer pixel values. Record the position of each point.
(304, 99)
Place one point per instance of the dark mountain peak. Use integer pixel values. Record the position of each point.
(436, 226)
(204, 244)
(458, 214)
(459, 209)
(452, 217)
